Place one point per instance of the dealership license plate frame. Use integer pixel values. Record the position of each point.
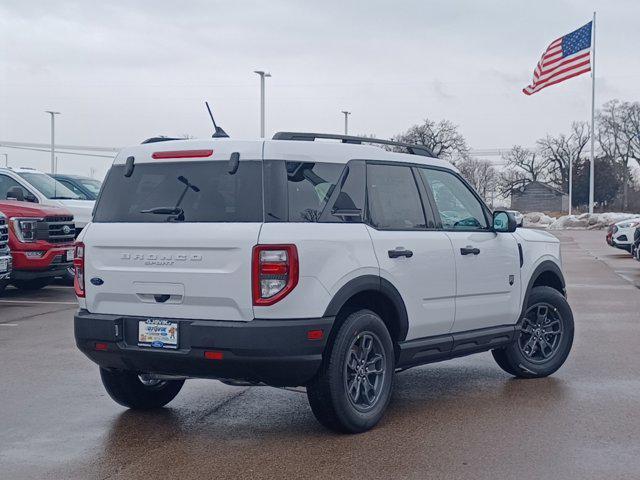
(156, 333)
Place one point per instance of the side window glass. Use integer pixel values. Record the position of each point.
(458, 207)
(73, 188)
(309, 187)
(6, 184)
(394, 201)
(348, 200)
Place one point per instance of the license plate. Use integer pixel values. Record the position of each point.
(70, 255)
(4, 265)
(158, 334)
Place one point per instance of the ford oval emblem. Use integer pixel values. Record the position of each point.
(157, 344)
(96, 281)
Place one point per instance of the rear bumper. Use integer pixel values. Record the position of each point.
(274, 352)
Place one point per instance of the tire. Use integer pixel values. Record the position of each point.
(35, 284)
(68, 276)
(127, 389)
(362, 335)
(545, 339)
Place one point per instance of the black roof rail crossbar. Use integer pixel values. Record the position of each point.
(310, 137)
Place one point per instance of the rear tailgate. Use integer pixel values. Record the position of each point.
(173, 236)
(172, 270)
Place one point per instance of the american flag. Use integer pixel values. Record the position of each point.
(565, 58)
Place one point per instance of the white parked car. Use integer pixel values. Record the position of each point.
(620, 234)
(290, 262)
(31, 185)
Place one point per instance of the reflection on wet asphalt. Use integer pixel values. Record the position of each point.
(459, 419)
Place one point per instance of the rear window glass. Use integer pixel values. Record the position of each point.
(182, 191)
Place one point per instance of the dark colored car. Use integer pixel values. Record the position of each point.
(635, 247)
(86, 188)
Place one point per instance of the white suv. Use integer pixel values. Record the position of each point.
(294, 262)
(31, 185)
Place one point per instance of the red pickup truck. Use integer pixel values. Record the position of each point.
(41, 243)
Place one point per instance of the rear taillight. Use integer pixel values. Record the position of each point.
(78, 267)
(275, 272)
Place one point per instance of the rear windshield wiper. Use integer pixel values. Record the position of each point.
(176, 213)
(166, 211)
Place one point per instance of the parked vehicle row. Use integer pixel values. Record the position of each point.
(38, 226)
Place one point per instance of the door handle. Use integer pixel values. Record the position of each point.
(469, 250)
(400, 252)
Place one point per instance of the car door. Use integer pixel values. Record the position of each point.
(415, 257)
(487, 263)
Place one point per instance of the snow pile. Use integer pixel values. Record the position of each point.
(537, 220)
(594, 221)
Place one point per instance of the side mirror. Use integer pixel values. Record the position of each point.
(504, 222)
(15, 193)
(30, 197)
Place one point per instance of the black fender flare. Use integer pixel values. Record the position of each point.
(545, 266)
(376, 283)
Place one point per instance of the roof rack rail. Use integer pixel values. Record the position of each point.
(310, 137)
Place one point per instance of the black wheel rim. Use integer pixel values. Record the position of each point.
(365, 371)
(541, 334)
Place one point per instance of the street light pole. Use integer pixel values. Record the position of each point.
(346, 121)
(263, 75)
(53, 139)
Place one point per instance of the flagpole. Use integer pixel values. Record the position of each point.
(593, 111)
(570, 182)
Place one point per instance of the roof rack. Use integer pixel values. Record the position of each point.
(310, 137)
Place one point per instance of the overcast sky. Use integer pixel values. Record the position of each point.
(123, 71)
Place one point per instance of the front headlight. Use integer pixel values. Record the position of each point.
(628, 225)
(25, 228)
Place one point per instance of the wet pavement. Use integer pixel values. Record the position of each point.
(459, 419)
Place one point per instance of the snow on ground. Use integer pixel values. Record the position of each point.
(595, 221)
(537, 220)
(588, 221)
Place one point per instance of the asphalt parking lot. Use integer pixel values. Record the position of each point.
(460, 419)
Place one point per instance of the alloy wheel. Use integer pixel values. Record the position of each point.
(541, 333)
(365, 371)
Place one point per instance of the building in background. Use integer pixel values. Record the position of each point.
(539, 197)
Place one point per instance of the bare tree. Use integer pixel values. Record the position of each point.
(521, 167)
(633, 126)
(563, 150)
(617, 137)
(442, 138)
(481, 174)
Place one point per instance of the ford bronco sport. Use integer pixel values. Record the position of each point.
(295, 262)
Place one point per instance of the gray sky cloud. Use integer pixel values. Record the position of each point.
(124, 71)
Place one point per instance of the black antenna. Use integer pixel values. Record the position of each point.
(218, 132)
